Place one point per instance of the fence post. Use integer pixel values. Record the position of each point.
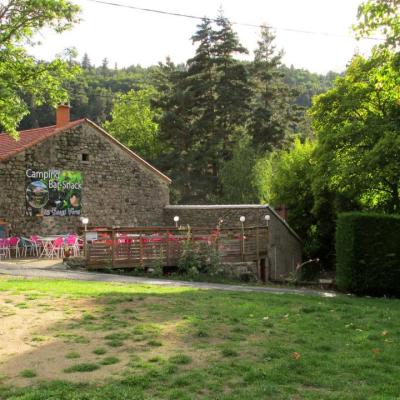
(167, 249)
(141, 250)
(257, 244)
(113, 247)
(242, 245)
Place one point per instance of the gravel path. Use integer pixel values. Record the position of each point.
(59, 271)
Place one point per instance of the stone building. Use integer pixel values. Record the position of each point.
(52, 176)
(284, 245)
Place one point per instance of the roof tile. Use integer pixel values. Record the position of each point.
(10, 147)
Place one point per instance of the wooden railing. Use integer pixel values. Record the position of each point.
(145, 246)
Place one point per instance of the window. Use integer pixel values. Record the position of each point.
(85, 157)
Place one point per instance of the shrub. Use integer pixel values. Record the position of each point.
(368, 253)
(210, 259)
(189, 259)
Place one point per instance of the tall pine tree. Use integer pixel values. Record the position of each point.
(272, 117)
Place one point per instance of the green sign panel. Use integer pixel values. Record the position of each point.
(53, 193)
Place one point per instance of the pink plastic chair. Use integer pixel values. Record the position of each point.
(4, 249)
(57, 248)
(72, 242)
(13, 244)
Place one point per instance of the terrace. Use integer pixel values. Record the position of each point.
(145, 247)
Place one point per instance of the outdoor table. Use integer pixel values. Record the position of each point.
(47, 243)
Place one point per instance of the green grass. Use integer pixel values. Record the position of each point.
(72, 354)
(100, 351)
(83, 367)
(154, 343)
(180, 359)
(222, 345)
(109, 360)
(28, 373)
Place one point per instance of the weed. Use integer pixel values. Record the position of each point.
(72, 338)
(72, 354)
(38, 338)
(21, 305)
(117, 336)
(84, 367)
(109, 360)
(115, 343)
(229, 353)
(99, 351)
(28, 373)
(155, 359)
(180, 359)
(154, 343)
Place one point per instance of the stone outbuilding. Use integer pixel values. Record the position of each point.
(284, 245)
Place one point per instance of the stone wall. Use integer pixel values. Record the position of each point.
(117, 189)
(284, 246)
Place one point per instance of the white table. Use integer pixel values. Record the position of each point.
(47, 244)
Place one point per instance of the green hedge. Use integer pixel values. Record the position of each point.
(368, 253)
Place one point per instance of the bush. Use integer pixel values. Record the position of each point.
(368, 253)
(190, 258)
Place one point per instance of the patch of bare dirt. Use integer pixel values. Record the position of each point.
(37, 334)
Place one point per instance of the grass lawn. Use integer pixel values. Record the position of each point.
(70, 340)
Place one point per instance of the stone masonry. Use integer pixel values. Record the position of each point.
(284, 245)
(117, 188)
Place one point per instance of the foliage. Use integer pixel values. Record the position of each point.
(216, 115)
(368, 253)
(189, 261)
(210, 258)
(20, 74)
(133, 122)
(358, 132)
(288, 177)
(236, 175)
(382, 17)
(203, 111)
(28, 373)
(272, 101)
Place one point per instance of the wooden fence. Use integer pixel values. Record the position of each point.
(143, 247)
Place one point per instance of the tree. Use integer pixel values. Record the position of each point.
(133, 122)
(272, 100)
(205, 112)
(20, 74)
(237, 175)
(86, 62)
(382, 17)
(232, 91)
(358, 128)
(287, 180)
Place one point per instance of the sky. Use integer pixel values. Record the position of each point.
(130, 37)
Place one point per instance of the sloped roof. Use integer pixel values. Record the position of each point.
(10, 147)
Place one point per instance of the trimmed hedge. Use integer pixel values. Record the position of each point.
(368, 253)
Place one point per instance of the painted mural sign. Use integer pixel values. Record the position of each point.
(53, 193)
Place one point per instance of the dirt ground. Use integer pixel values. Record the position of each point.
(38, 333)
